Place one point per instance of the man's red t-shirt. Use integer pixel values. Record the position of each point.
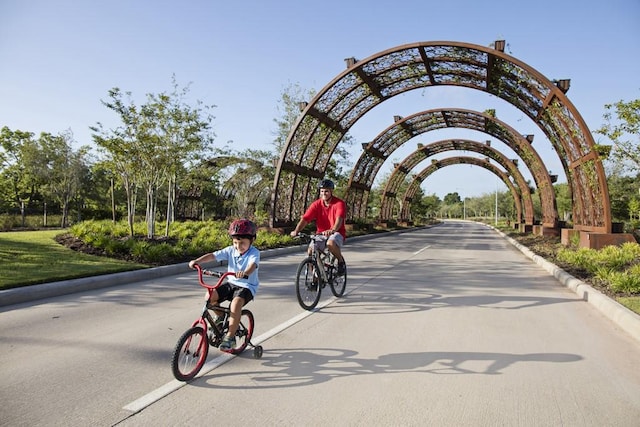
(325, 216)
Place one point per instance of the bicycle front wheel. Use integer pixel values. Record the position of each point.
(308, 286)
(339, 283)
(190, 354)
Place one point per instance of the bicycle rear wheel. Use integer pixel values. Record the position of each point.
(338, 283)
(244, 332)
(308, 286)
(190, 354)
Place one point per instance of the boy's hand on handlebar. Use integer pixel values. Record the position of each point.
(241, 275)
(192, 264)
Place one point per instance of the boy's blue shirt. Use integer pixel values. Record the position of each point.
(240, 262)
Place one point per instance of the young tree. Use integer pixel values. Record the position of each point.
(153, 143)
(64, 169)
(185, 133)
(622, 127)
(563, 200)
(251, 181)
(20, 168)
(120, 147)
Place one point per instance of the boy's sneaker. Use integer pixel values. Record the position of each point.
(342, 267)
(228, 343)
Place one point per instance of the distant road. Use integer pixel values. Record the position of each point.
(449, 325)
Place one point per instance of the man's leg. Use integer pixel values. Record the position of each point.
(334, 244)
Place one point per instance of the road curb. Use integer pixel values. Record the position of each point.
(614, 311)
(65, 287)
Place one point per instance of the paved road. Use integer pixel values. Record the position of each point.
(443, 326)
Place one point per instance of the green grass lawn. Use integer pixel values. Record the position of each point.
(32, 257)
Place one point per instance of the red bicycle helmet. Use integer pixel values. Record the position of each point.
(243, 228)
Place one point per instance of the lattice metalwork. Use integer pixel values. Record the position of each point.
(402, 170)
(367, 83)
(384, 144)
(438, 164)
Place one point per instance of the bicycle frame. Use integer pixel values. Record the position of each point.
(316, 271)
(322, 258)
(206, 316)
(192, 348)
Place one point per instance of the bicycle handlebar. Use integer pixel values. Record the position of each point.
(220, 274)
(309, 237)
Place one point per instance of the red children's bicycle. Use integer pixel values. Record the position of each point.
(193, 346)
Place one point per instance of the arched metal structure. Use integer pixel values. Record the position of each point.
(367, 83)
(250, 173)
(402, 169)
(439, 164)
(393, 137)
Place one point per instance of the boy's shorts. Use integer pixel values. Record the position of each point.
(228, 291)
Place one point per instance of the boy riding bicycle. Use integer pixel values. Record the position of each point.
(243, 260)
(329, 213)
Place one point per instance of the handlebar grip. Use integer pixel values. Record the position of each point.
(212, 273)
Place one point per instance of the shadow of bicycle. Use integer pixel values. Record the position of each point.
(301, 367)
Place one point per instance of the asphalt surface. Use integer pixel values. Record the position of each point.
(449, 325)
(620, 315)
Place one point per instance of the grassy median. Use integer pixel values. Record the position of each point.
(32, 257)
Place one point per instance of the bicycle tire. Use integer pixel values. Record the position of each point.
(190, 354)
(244, 332)
(338, 283)
(308, 292)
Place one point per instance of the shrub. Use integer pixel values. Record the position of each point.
(626, 281)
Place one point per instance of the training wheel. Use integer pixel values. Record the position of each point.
(257, 351)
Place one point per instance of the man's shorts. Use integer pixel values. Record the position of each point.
(321, 244)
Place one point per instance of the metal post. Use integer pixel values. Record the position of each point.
(464, 208)
(496, 202)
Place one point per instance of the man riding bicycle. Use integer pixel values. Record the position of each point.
(329, 213)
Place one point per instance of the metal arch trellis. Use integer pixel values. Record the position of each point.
(366, 83)
(376, 152)
(257, 176)
(456, 160)
(402, 169)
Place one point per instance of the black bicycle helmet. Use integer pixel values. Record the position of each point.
(243, 228)
(326, 183)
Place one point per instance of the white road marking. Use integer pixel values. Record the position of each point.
(426, 247)
(157, 394)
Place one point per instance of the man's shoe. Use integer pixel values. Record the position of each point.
(342, 268)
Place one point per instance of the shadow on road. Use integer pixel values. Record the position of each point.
(301, 367)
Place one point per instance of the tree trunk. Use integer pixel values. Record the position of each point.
(113, 202)
(171, 197)
(151, 220)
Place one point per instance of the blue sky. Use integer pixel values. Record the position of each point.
(60, 58)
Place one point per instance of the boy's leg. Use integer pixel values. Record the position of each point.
(234, 320)
(241, 296)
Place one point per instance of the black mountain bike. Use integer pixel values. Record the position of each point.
(315, 272)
